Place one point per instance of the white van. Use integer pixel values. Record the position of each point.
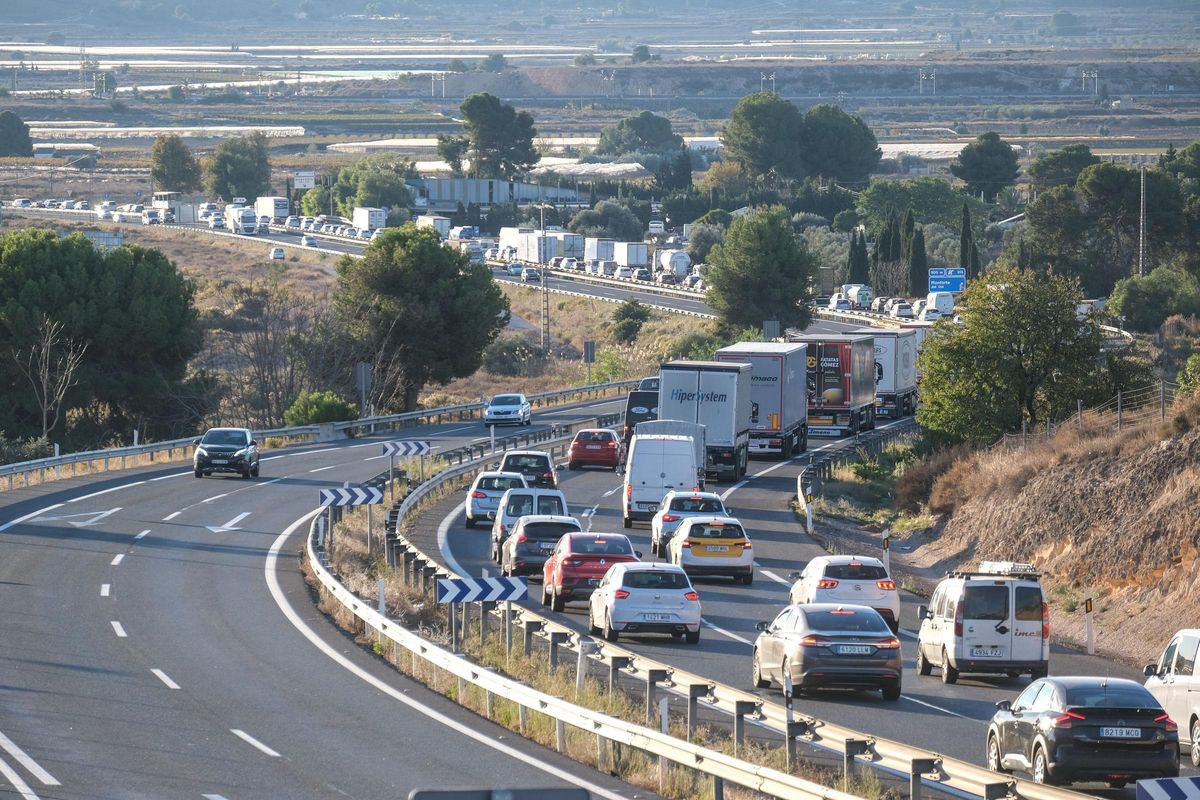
(521, 502)
(942, 302)
(657, 464)
(994, 620)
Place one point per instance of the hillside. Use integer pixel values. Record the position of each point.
(1118, 514)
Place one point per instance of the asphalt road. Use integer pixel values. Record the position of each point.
(951, 720)
(159, 642)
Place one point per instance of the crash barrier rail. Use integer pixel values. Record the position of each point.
(568, 293)
(52, 467)
(923, 769)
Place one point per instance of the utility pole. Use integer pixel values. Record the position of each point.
(545, 292)
(763, 78)
(1142, 228)
(931, 76)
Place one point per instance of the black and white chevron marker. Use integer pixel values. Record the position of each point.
(359, 496)
(473, 590)
(406, 448)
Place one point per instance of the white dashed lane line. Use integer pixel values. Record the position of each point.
(250, 740)
(162, 676)
(104, 588)
(119, 629)
(117, 559)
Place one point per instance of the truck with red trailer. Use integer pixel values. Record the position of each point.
(841, 382)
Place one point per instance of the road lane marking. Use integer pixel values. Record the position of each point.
(141, 535)
(465, 730)
(162, 676)
(117, 560)
(267, 483)
(938, 708)
(21, 786)
(119, 629)
(215, 497)
(213, 797)
(322, 469)
(171, 516)
(35, 769)
(29, 516)
(105, 491)
(444, 544)
(228, 526)
(104, 587)
(250, 740)
(775, 577)
(724, 632)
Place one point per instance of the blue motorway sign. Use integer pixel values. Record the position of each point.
(947, 279)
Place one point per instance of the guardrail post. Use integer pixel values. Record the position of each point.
(917, 768)
(615, 665)
(531, 626)
(586, 648)
(485, 611)
(740, 709)
(854, 747)
(653, 678)
(427, 575)
(998, 791)
(718, 788)
(556, 638)
(560, 735)
(695, 692)
(521, 718)
(451, 610)
(508, 622)
(408, 557)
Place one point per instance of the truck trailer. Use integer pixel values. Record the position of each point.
(277, 208)
(895, 371)
(439, 224)
(599, 249)
(778, 395)
(368, 219)
(841, 383)
(631, 254)
(716, 395)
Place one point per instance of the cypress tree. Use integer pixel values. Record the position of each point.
(965, 240)
(906, 232)
(918, 265)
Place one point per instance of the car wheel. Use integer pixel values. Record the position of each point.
(993, 756)
(593, 629)
(557, 603)
(198, 473)
(748, 578)
(693, 637)
(1042, 672)
(246, 474)
(627, 522)
(949, 673)
(470, 522)
(655, 548)
(254, 472)
(1196, 743)
(756, 678)
(610, 634)
(923, 665)
(1039, 772)
(545, 596)
(891, 693)
(1117, 784)
(572, 465)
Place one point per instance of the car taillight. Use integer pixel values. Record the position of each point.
(1067, 718)
(887, 586)
(747, 545)
(1045, 620)
(693, 596)
(522, 538)
(548, 476)
(503, 529)
(629, 490)
(478, 494)
(827, 583)
(814, 641)
(1168, 722)
(888, 644)
(686, 543)
(671, 518)
(958, 619)
(620, 594)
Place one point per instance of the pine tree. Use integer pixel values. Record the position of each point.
(918, 266)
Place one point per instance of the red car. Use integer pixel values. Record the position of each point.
(595, 447)
(579, 562)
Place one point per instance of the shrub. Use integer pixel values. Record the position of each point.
(311, 408)
(14, 451)
(915, 486)
(514, 356)
(846, 221)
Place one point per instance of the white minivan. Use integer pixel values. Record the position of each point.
(657, 464)
(994, 620)
(942, 302)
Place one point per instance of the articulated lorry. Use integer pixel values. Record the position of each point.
(716, 395)
(895, 371)
(841, 383)
(778, 394)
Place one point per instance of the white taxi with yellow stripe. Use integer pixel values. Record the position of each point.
(713, 545)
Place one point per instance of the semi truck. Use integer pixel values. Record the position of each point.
(599, 249)
(841, 383)
(241, 219)
(368, 219)
(895, 371)
(277, 208)
(536, 248)
(676, 261)
(716, 395)
(778, 395)
(570, 245)
(439, 224)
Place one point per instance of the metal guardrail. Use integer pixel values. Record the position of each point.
(922, 768)
(43, 466)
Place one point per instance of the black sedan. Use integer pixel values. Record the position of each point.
(226, 450)
(1076, 729)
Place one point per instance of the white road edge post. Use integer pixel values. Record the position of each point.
(1088, 609)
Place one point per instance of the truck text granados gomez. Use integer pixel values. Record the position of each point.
(717, 396)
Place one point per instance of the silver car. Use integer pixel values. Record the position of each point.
(483, 498)
(508, 409)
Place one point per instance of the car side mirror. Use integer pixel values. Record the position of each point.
(794, 576)
(922, 612)
(1150, 670)
(762, 627)
(1004, 705)
(253, 443)
(195, 441)
(729, 512)
(637, 553)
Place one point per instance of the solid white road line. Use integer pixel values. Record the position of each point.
(162, 676)
(322, 469)
(117, 559)
(774, 577)
(938, 708)
(250, 740)
(119, 629)
(443, 532)
(726, 633)
(141, 535)
(213, 797)
(105, 491)
(171, 516)
(35, 769)
(436, 716)
(30, 515)
(104, 587)
(14, 778)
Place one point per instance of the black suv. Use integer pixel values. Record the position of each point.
(1063, 730)
(226, 450)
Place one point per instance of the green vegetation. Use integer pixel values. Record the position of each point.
(628, 319)
(501, 137)
(608, 220)
(375, 182)
(1147, 301)
(987, 165)
(14, 136)
(644, 133)
(1060, 167)
(866, 491)
(239, 167)
(173, 167)
(312, 408)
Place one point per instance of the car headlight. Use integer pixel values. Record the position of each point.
(245, 451)
(200, 451)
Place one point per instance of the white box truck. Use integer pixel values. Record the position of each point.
(778, 395)
(439, 224)
(536, 248)
(716, 395)
(369, 219)
(570, 245)
(277, 208)
(598, 249)
(631, 254)
(895, 371)
(509, 237)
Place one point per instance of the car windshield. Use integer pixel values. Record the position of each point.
(855, 571)
(655, 579)
(720, 531)
(1122, 695)
(506, 400)
(603, 546)
(698, 505)
(526, 463)
(500, 483)
(225, 437)
(846, 620)
(548, 531)
(595, 436)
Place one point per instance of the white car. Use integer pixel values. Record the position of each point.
(858, 580)
(901, 311)
(492, 253)
(929, 315)
(215, 222)
(638, 597)
(531, 275)
(514, 269)
(308, 241)
(713, 545)
(676, 507)
(508, 409)
(839, 303)
(22, 202)
(277, 254)
(483, 498)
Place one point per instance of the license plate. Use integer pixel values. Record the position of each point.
(1121, 733)
(593, 581)
(547, 546)
(656, 617)
(648, 506)
(985, 652)
(854, 650)
(220, 461)
(717, 548)
(592, 447)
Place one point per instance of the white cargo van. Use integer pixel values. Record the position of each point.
(657, 464)
(942, 302)
(994, 620)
